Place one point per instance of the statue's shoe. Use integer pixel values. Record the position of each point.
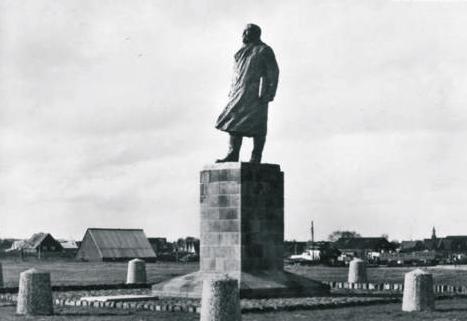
(228, 158)
(255, 159)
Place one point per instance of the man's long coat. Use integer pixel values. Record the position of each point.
(254, 84)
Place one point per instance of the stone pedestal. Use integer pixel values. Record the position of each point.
(418, 291)
(220, 300)
(242, 218)
(242, 234)
(35, 293)
(357, 271)
(136, 273)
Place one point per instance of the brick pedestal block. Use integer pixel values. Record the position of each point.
(242, 234)
(242, 218)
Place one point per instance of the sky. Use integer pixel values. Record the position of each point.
(107, 112)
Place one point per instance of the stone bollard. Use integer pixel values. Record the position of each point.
(1, 275)
(35, 293)
(220, 300)
(136, 272)
(357, 271)
(418, 291)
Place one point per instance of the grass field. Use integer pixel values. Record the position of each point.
(109, 273)
(447, 310)
(381, 274)
(67, 273)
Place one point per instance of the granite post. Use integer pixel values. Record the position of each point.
(418, 291)
(35, 293)
(357, 271)
(220, 300)
(136, 272)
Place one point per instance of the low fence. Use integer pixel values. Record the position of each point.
(247, 305)
(394, 287)
(376, 287)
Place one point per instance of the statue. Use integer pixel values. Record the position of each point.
(253, 86)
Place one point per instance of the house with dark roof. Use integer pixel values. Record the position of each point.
(108, 244)
(429, 251)
(412, 246)
(70, 247)
(159, 244)
(454, 244)
(369, 248)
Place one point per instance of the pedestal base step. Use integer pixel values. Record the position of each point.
(264, 284)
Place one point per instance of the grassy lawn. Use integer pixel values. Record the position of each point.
(380, 274)
(99, 273)
(447, 310)
(70, 272)
(92, 273)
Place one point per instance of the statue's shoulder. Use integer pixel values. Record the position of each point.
(264, 48)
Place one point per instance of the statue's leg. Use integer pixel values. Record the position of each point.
(258, 146)
(235, 143)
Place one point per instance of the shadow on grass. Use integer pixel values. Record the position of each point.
(89, 312)
(451, 310)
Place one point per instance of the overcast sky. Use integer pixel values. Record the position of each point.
(107, 112)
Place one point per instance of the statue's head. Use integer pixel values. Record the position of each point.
(252, 33)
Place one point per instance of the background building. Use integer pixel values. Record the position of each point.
(105, 244)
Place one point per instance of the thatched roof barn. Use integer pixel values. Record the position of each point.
(41, 243)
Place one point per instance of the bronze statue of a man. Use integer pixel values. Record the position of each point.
(253, 86)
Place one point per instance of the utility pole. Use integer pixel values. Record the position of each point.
(312, 241)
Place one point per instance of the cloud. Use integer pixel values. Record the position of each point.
(107, 112)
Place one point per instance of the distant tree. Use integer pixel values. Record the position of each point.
(181, 244)
(328, 253)
(5, 244)
(385, 235)
(334, 236)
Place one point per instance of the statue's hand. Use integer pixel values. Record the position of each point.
(266, 99)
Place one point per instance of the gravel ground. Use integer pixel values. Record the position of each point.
(446, 310)
(247, 304)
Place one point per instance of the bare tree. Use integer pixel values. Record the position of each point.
(334, 236)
